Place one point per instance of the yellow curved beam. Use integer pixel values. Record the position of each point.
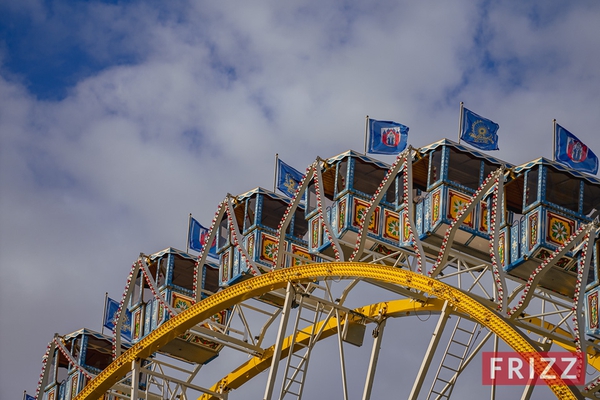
(393, 309)
(265, 283)
(256, 365)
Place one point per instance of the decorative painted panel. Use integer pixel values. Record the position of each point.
(391, 225)
(343, 210)
(195, 339)
(268, 247)
(533, 228)
(514, 243)
(360, 209)
(219, 318)
(559, 229)
(592, 310)
(74, 385)
(235, 263)
(456, 203)
(593, 273)
(502, 248)
(422, 216)
(483, 217)
(332, 217)
(137, 324)
(314, 233)
(250, 246)
(225, 261)
(543, 254)
(573, 266)
(155, 307)
(148, 317)
(160, 313)
(180, 302)
(435, 206)
(381, 249)
(524, 229)
(300, 252)
(405, 228)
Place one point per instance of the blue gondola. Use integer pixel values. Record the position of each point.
(445, 176)
(546, 203)
(173, 272)
(73, 360)
(258, 214)
(349, 182)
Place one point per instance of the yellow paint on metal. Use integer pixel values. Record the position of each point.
(256, 365)
(593, 358)
(258, 285)
(393, 309)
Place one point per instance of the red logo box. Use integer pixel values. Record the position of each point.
(544, 368)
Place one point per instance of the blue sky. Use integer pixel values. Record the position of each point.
(118, 119)
(46, 52)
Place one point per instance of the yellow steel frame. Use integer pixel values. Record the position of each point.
(391, 309)
(460, 302)
(256, 365)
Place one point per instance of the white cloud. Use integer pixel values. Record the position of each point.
(195, 100)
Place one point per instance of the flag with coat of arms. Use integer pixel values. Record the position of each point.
(198, 236)
(572, 152)
(386, 137)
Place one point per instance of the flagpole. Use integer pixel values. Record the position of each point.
(187, 246)
(104, 314)
(275, 173)
(554, 140)
(460, 120)
(366, 133)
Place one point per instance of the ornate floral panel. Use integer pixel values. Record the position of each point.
(360, 210)
(301, 252)
(268, 247)
(559, 228)
(180, 302)
(391, 224)
(456, 203)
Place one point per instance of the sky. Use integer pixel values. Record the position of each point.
(120, 118)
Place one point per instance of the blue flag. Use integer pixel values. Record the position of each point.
(571, 152)
(478, 131)
(198, 236)
(110, 318)
(387, 137)
(288, 178)
(29, 397)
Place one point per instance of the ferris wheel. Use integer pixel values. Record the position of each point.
(461, 252)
